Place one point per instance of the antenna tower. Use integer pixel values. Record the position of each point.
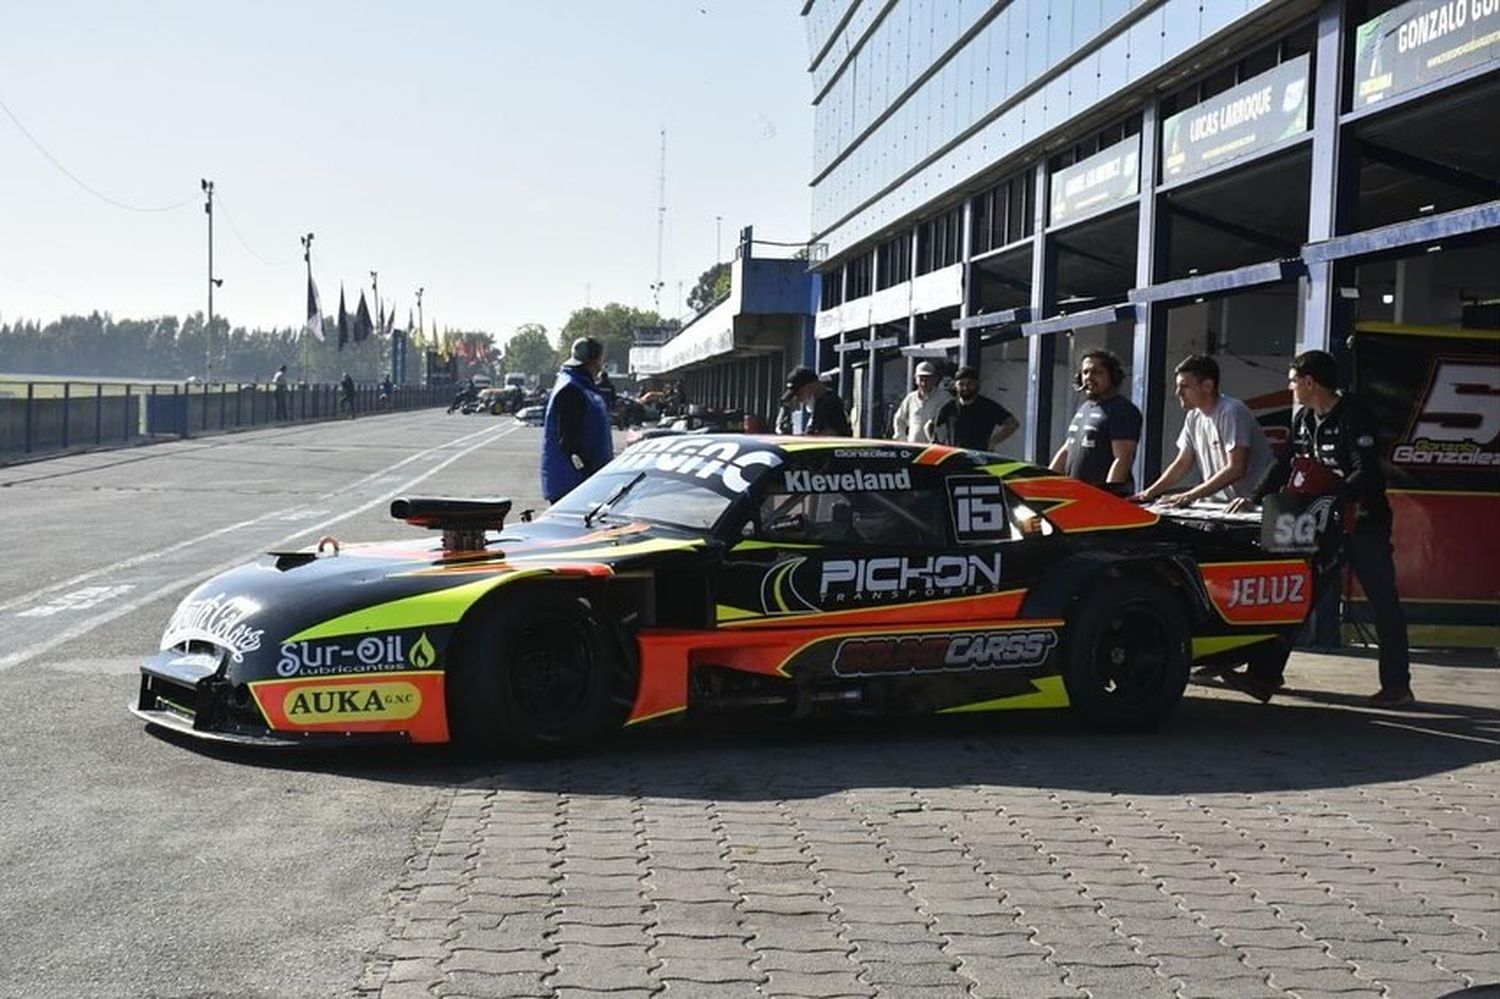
(661, 223)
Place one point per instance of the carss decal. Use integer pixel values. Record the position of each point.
(1259, 592)
(946, 651)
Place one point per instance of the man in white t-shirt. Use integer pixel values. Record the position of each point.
(920, 407)
(1220, 436)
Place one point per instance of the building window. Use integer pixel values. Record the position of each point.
(1003, 215)
(893, 262)
(857, 284)
(833, 289)
(940, 241)
(1284, 49)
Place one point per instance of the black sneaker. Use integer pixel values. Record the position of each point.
(1248, 683)
(1384, 698)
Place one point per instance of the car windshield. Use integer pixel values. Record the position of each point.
(610, 497)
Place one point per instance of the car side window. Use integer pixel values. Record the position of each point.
(902, 518)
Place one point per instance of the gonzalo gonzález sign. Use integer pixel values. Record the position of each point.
(1422, 41)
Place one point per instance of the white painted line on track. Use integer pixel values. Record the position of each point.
(89, 624)
(283, 514)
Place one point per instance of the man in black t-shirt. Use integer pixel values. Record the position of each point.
(828, 418)
(1102, 438)
(970, 420)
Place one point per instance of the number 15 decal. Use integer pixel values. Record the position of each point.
(978, 506)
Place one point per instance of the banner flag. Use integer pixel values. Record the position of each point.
(314, 309)
(343, 319)
(362, 322)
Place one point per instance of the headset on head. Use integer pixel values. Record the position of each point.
(1105, 357)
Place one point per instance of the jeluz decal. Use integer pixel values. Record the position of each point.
(723, 465)
(1260, 592)
(370, 654)
(218, 620)
(857, 480)
(903, 577)
(890, 655)
(1458, 419)
(325, 705)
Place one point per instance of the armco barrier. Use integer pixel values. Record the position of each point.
(50, 417)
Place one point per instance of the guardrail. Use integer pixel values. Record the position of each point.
(48, 417)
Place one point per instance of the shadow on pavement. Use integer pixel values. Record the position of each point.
(1213, 746)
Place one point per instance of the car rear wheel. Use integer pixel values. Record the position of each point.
(1129, 651)
(538, 676)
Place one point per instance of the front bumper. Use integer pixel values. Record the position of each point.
(187, 693)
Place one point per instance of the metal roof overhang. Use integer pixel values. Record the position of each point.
(1080, 320)
(991, 320)
(1201, 286)
(933, 348)
(1400, 238)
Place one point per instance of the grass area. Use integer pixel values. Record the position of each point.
(13, 386)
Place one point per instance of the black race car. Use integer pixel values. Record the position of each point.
(706, 573)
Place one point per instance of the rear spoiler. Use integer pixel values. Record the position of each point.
(462, 521)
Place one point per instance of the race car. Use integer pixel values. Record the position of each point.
(711, 573)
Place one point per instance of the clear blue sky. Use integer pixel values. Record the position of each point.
(502, 154)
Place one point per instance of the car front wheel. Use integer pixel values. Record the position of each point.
(537, 676)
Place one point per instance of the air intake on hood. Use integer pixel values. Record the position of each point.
(462, 521)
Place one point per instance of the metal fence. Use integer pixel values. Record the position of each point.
(44, 417)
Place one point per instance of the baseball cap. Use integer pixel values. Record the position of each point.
(585, 349)
(795, 380)
(927, 368)
(967, 371)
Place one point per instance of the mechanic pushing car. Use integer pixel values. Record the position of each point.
(1334, 451)
(576, 440)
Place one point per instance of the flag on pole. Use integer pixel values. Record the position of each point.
(343, 320)
(314, 309)
(379, 315)
(362, 323)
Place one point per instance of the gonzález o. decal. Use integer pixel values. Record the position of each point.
(218, 620)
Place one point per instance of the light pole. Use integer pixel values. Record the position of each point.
(422, 331)
(307, 242)
(213, 282)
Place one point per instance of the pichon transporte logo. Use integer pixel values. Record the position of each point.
(894, 655)
(326, 704)
(1457, 421)
(902, 577)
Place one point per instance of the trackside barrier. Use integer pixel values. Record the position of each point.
(49, 417)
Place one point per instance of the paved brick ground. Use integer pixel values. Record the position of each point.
(1311, 847)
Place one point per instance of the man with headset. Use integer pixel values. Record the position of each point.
(1101, 442)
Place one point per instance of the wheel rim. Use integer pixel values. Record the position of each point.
(1133, 658)
(549, 671)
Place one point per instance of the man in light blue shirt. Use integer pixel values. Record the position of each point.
(1220, 436)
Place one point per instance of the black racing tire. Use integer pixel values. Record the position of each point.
(537, 675)
(1127, 656)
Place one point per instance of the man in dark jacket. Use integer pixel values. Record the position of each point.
(827, 419)
(576, 439)
(1333, 442)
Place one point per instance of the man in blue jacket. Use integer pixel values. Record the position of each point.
(576, 439)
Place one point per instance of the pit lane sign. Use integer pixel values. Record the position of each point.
(1242, 120)
(1422, 41)
(1108, 178)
